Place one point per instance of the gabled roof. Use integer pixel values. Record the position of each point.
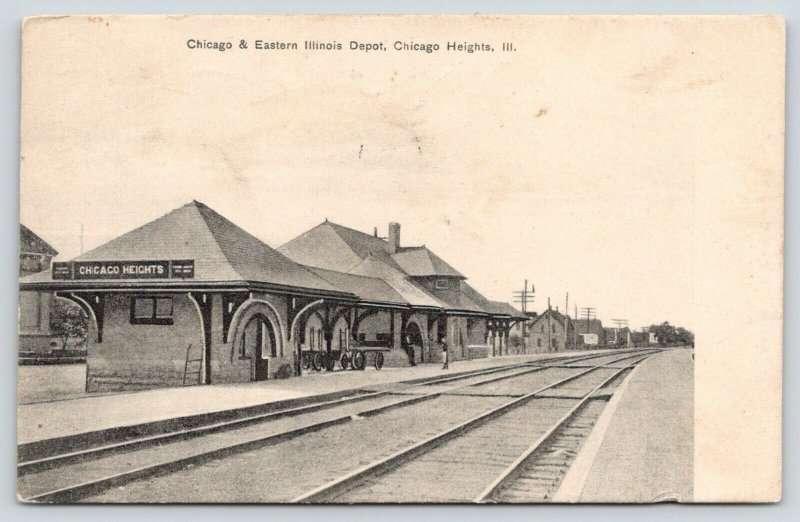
(414, 294)
(492, 307)
(222, 253)
(420, 261)
(369, 289)
(553, 315)
(467, 300)
(462, 302)
(501, 308)
(32, 243)
(335, 247)
(332, 246)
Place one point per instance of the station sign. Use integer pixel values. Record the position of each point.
(74, 270)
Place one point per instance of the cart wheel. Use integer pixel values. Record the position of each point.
(306, 361)
(359, 360)
(378, 361)
(330, 362)
(316, 361)
(344, 361)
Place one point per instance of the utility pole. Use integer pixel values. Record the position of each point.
(566, 322)
(549, 327)
(524, 296)
(590, 313)
(619, 323)
(576, 326)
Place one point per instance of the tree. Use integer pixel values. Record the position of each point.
(67, 321)
(667, 334)
(685, 336)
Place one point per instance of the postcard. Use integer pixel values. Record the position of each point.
(400, 259)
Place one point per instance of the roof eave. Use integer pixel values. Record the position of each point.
(116, 285)
(456, 311)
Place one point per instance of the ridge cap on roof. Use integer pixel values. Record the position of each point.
(415, 247)
(236, 227)
(200, 207)
(338, 225)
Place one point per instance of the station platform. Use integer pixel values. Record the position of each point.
(642, 447)
(44, 420)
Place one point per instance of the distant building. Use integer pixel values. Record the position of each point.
(618, 337)
(590, 332)
(547, 332)
(35, 255)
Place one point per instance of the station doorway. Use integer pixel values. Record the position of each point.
(414, 342)
(258, 343)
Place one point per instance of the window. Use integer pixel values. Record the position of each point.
(539, 343)
(441, 284)
(311, 338)
(541, 329)
(151, 310)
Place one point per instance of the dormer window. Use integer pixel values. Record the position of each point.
(441, 284)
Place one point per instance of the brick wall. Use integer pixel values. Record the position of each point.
(134, 356)
(34, 321)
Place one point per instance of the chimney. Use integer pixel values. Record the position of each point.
(376, 232)
(394, 237)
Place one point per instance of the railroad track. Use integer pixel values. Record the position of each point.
(76, 475)
(28, 465)
(490, 457)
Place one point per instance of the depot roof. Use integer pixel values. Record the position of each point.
(224, 255)
(345, 248)
(369, 289)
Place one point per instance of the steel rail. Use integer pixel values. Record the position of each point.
(512, 472)
(347, 482)
(35, 465)
(74, 492)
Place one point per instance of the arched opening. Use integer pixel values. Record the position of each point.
(257, 342)
(412, 341)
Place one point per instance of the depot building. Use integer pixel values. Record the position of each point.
(192, 298)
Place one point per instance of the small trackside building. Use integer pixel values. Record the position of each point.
(35, 255)
(189, 297)
(552, 331)
(590, 332)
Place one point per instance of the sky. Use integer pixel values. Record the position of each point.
(569, 162)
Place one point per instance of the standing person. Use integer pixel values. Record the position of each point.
(409, 348)
(445, 354)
